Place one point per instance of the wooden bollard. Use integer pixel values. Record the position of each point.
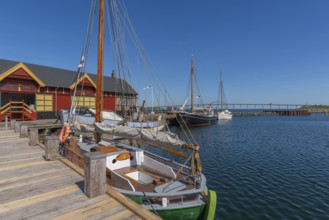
(17, 127)
(12, 124)
(24, 131)
(51, 148)
(34, 136)
(95, 174)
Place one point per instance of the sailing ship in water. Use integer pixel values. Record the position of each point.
(198, 116)
(223, 113)
(170, 189)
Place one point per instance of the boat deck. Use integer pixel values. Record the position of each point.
(33, 188)
(160, 178)
(149, 187)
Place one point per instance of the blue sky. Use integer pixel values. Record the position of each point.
(268, 50)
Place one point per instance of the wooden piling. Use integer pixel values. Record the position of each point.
(17, 127)
(51, 148)
(24, 131)
(95, 174)
(34, 136)
(297, 112)
(12, 124)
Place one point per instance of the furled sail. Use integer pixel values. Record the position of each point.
(156, 138)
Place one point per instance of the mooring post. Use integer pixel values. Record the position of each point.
(51, 148)
(24, 131)
(17, 127)
(95, 174)
(6, 122)
(12, 124)
(34, 136)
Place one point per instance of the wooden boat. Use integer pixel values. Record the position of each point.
(197, 117)
(148, 121)
(165, 187)
(169, 189)
(86, 115)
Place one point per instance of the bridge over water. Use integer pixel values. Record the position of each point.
(268, 106)
(237, 106)
(257, 109)
(259, 106)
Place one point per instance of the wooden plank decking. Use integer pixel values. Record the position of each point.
(33, 188)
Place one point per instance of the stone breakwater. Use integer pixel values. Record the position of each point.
(326, 111)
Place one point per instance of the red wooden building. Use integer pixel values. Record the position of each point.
(48, 89)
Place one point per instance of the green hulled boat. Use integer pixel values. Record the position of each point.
(165, 187)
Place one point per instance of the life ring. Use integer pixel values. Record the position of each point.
(124, 156)
(64, 134)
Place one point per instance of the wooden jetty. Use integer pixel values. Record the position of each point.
(34, 188)
(274, 112)
(247, 114)
(289, 112)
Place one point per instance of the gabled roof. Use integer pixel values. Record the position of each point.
(26, 69)
(56, 77)
(82, 78)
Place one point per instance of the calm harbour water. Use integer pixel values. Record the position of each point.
(268, 167)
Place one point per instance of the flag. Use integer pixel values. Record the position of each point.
(148, 87)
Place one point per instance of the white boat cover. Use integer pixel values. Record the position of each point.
(157, 138)
(84, 127)
(109, 115)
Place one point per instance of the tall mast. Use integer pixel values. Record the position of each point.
(192, 85)
(100, 66)
(221, 91)
(100, 63)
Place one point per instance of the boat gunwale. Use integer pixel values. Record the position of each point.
(203, 186)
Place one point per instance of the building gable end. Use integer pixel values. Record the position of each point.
(20, 74)
(86, 80)
(20, 71)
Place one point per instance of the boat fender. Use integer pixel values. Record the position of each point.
(64, 134)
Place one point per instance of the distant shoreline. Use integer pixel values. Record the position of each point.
(316, 108)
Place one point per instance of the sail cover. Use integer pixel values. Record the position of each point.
(157, 138)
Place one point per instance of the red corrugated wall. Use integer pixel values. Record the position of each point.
(64, 101)
(109, 102)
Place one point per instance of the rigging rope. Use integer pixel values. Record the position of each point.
(83, 61)
(119, 23)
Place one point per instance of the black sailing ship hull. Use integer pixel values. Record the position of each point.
(190, 119)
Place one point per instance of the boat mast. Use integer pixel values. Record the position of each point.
(221, 91)
(100, 66)
(192, 85)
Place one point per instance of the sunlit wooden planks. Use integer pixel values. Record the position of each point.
(32, 188)
(19, 203)
(94, 209)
